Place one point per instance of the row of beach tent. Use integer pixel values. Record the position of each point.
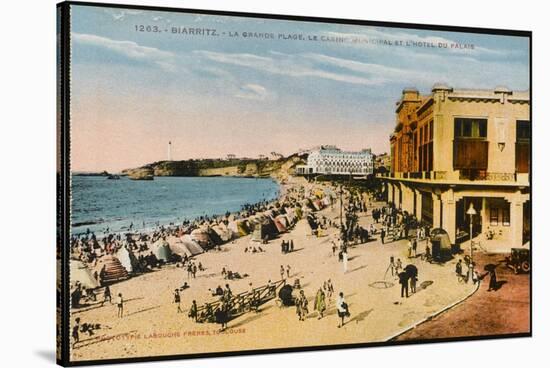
(268, 224)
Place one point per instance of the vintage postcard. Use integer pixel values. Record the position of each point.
(241, 183)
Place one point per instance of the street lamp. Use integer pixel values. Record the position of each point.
(472, 212)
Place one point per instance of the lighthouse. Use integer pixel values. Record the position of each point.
(169, 150)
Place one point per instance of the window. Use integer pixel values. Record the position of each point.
(523, 130)
(494, 216)
(506, 216)
(523, 146)
(470, 128)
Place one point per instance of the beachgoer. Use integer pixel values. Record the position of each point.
(193, 311)
(120, 305)
(76, 332)
(106, 295)
(320, 303)
(177, 300)
(342, 308)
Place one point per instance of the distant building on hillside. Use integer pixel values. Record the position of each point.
(330, 160)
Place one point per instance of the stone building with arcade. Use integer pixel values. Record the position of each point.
(457, 148)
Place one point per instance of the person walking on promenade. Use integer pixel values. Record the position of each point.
(292, 245)
(398, 266)
(282, 272)
(382, 234)
(320, 303)
(227, 293)
(410, 247)
(414, 245)
(288, 271)
(493, 284)
(330, 289)
(413, 279)
(106, 295)
(193, 311)
(404, 281)
(177, 300)
(391, 267)
(458, 270)
(76, 331)
(342, 308)
(302, 306)
(345, 260)
(120, 305)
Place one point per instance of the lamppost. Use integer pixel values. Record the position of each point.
(341, 204)
(472, 212)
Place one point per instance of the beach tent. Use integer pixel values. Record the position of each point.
(186, 246)
(214, 236)
(223, 232)
(243, 227)
(239, 227)
(127, 259)
(162, 251)
(202, 237)
(81, 273)
(263, 229)
(113, 270)
(280, 223)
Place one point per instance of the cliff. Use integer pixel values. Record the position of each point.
(279, 169)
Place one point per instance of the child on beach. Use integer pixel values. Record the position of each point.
(177, 300)
(120, 305)
(106, 295)
(76, 329)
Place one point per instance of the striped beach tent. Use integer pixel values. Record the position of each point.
(186, 246)
(111, 270)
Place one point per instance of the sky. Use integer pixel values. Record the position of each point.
(132, 92)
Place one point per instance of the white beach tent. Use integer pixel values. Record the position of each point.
(81, 273)
(127, 259)
(186, 246)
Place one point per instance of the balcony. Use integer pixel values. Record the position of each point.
(470, 154)
(459, 177)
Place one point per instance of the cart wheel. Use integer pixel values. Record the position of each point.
(525, 266)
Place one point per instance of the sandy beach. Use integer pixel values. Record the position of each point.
(152, 326)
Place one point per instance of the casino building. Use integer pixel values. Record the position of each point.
(455, 149)
(330, 160)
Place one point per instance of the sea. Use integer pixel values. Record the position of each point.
(100, 205)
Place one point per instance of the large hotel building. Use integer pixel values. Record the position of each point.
(330, 160)
(455, 148)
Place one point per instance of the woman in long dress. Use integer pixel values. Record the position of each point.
(345, 260)
(320, 304)
(301, 306)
